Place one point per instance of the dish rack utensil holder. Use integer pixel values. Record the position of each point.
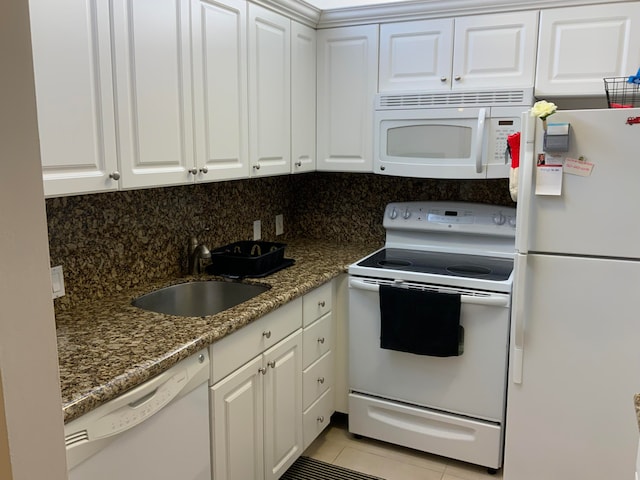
(621, 93)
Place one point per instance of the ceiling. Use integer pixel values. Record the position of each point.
(331, 4)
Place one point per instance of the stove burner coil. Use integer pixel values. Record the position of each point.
(468, 270)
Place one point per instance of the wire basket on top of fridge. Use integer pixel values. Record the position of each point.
(623, 92)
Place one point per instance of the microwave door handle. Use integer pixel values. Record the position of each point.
(479, 137)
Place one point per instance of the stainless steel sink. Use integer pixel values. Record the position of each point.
(198, 299)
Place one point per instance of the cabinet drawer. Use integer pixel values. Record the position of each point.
(239, 347)
(317, 379)
(317, 418)
(317, 340)
(316, 303)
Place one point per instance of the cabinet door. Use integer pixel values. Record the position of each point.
(74, 94)
(269, 92)
(347, 84)
(581, 45)
(237, 424)
(283, 405)
(495, 50)
(153, 86)
(416, 55)
(303, 98)
(220, 89)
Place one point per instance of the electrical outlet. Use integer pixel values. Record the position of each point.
(57, 281)
(257, 230)
(279, 224)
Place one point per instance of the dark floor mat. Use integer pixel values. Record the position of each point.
(306, 468)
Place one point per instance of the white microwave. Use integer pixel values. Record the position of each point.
(447, 135)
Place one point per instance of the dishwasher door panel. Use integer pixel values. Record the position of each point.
(172, 444)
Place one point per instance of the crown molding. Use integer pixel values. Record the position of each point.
(297, 10)
(426, 9)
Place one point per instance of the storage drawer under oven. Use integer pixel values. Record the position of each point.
(472, 384)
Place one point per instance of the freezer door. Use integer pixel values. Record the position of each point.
(597, 214)
(571, 416)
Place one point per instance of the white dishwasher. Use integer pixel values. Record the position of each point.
(158, 430)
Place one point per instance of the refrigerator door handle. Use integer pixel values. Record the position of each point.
(525, 182)
(518, 319)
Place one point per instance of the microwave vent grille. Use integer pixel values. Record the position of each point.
(453, 99)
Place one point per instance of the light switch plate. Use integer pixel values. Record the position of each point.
(57, 281)
(279, 224)
(257, 230)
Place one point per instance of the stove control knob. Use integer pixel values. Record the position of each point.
(512, 221)
(406, 214)
(394, 214)
(499, 219)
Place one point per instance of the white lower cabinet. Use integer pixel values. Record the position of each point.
(256, 397)
(318, 377)
(272, 388)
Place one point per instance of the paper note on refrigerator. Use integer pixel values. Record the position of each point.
(549, 180)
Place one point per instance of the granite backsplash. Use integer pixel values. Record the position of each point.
(109, 242)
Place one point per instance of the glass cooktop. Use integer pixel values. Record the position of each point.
(450, 264)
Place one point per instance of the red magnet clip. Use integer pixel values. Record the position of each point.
(632, 120)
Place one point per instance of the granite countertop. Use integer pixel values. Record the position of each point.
(107, 347)
(636, 400)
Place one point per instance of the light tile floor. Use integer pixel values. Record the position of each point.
(337, 446)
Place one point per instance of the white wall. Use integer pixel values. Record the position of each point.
(31, 422)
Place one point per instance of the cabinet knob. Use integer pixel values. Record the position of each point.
(321, 419)
(267, 334)
(321, 380)
(443, 79)
(262, 370)
(204, 170)
(271, 364)
(256, 166)
(298, 164)
(115, 175)
(321, 340)
(201, 358)
(321, 303)
(457, 78)
(382, 167)
(193, 171)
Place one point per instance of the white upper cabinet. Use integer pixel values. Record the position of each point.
(303, 98)
(74, 94)
(219, 46)
(581, 45)
(495, 50)
(347, 84)
(466, 53)
(269, 92)
(153, 91)
(416, 55)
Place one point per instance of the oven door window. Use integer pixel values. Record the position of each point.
(430, 141)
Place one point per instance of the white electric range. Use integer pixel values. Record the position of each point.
(448, 401)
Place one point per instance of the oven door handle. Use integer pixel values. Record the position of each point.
(490, 300)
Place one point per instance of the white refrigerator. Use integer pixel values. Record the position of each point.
(575, 331)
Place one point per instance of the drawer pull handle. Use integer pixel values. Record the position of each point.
(321, 340)
(321, 419)
(267, 334)
(321, 303)
(262, 370)
(271, 364)
(321, 380)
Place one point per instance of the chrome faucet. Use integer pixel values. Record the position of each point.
(199, 256)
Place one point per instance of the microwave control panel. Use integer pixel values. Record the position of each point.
(501, 128)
